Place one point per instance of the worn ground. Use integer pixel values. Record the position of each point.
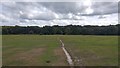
(30, 50)
(45, 50)
(92, 50)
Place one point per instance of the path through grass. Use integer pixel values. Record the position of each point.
(45, 50)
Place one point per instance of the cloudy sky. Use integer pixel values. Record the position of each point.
(85, 12)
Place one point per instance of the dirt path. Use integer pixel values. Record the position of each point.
(69, 59)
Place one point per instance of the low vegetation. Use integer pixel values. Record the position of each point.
(92, 50)
(32, 50)
(45, 50)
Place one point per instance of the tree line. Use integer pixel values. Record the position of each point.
(63, 30)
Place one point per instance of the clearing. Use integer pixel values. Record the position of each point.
(45, 50)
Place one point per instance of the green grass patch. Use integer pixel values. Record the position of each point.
(17, 44)
(39, 50)
(93, 50)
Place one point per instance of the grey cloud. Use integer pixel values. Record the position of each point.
(42, 16)
(64, 7)
(48, 10)
(100, 8)
(14, 9)
(118, 7)
(101, 17)
(42, 13)
(103, 8)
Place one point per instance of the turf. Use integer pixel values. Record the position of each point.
(93, 50)
(45, 50)
(17, 50)
(0, 50)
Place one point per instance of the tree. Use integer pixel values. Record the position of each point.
(67, 30)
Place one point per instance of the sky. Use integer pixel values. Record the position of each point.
(85, 12)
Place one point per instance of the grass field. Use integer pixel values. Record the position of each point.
(0, 50)
(32, 50)
(45, 50)
(93, 50)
